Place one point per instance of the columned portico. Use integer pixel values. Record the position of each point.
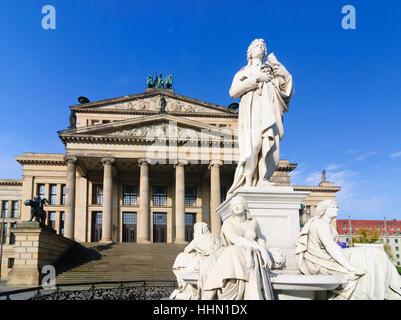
(107, 199)
(180, 201)
(143, 218)
(70, 197)
(215, 199)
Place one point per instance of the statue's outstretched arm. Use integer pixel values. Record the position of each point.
(334, 250)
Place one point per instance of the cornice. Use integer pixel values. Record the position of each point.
(10, 182)
(148, 112)
(317, 188)
(140, 139)
(41, 162)
(152, 93)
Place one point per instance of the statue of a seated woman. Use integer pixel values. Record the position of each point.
(235, 268)
(241, 269)
(369, 273)
(198, 257)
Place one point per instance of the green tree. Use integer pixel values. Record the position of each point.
(364, 235)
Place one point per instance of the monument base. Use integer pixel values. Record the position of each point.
(35, 246)
(276, 208)
(288, 286)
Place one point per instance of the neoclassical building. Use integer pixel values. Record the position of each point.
(138, 168)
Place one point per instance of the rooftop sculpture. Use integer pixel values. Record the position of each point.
(158, 82)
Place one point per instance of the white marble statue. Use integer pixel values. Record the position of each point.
(369, 273)
(198, 257)
(265, 91)
(241, 269)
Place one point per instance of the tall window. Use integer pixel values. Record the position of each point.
(52, 220)
(160, 195)
(10, 263)
(41, 190)
(63, 189)
(190, 196)
(12, 235)
(4, 232)
(5, 209)
(62, 223)
(130, 195)
(97, 194)
(15, 209)
(190, 220)
(223, 194)
(53, 194)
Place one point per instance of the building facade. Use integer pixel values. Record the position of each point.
(139, 168)
(390, 233)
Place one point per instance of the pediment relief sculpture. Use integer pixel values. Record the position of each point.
(166, 130)
(154, 104)
(150, 104)
(173, 105)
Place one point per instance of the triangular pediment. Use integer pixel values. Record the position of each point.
(151, 101)
(160, 126)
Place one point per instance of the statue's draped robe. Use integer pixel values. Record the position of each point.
(260, 116)
(198, 257)
(381, 280)
(238, 273)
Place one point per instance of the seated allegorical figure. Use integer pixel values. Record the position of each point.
(369, 273)
(198, 257)
(241, 268)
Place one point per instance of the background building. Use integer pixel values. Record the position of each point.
(391, 235)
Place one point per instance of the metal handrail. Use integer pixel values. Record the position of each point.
(88, 284)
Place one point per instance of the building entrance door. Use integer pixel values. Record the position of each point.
(96, 226)
(190, 219)
(129, 226)
(159, 227)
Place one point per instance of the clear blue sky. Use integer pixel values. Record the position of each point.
(344, 117)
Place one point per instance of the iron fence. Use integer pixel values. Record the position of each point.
(109, 290)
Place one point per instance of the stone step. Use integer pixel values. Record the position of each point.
(94, 262)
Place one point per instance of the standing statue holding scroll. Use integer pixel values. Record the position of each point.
(265, 91)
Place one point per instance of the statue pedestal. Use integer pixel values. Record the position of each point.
(35, 247)
(276, 208)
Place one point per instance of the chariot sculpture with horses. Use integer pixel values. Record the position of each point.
(158, 82)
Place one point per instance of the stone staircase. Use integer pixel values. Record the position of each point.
(94, 262)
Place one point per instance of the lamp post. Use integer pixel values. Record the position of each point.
(386, 237)
(1, 242)
(350, 229)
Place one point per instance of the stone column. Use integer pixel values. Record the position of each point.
(107, 199)
(59, 195)
(70, 198)
(57, 222)
(144, 209)
(180, 201)
(215, 220)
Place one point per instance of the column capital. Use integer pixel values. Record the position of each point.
(215, 163)
(142, 161)
(180, 163)
(70, 159)
(109, 161)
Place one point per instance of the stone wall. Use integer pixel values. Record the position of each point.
(35, 247)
